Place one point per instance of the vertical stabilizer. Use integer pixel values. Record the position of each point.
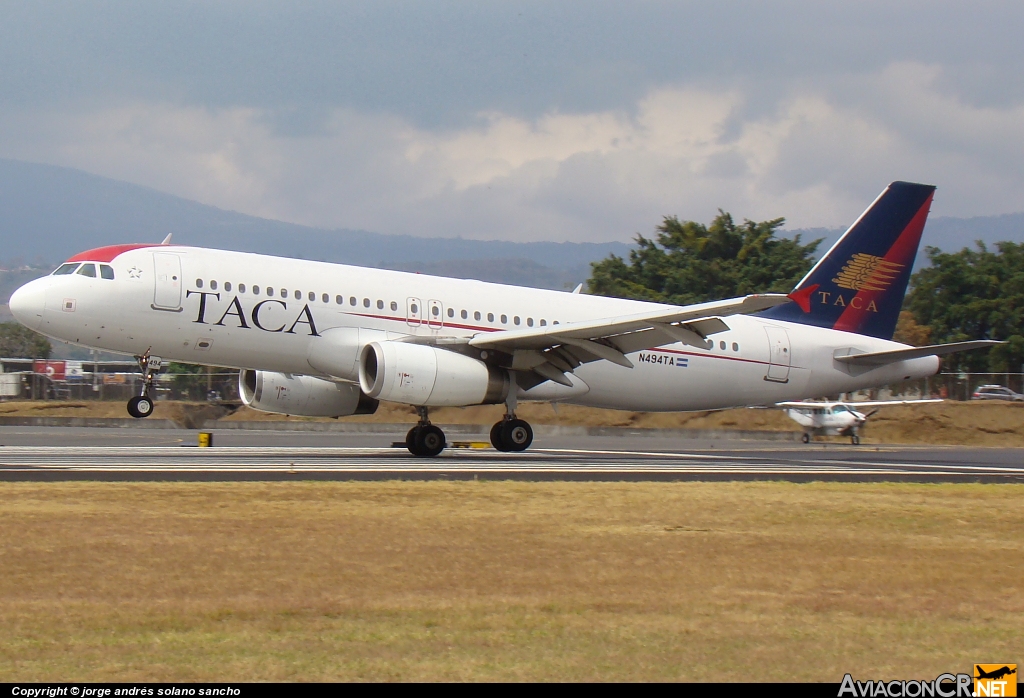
(858, 286)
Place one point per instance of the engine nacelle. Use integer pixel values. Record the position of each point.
(303, 396)
(415, 374)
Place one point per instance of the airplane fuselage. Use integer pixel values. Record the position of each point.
(252, 311)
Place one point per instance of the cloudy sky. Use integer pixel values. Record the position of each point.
(524, 120)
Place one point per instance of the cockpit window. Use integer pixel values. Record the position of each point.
(88, 270)
(68, 268)
(107, 271)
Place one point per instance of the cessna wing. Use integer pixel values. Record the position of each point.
(554, 350)
(880, 358)
(864, 403)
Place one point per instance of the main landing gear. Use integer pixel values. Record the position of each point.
(511, 433)
(142, 405)
(425, 439)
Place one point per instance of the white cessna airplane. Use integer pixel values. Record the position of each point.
(322, 339)
(837, 418)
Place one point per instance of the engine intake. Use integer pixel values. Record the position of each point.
(304, 396)
(420, 375)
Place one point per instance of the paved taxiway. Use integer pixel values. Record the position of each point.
(55, 453)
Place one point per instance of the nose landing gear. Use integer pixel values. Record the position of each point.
(141, 406)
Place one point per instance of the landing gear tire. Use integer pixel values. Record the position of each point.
(512, 435)
(140, 406)
(855, 440)
(425, 441)
(806, 438)
(496, 437)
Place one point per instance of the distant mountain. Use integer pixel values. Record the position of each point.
(48, 213)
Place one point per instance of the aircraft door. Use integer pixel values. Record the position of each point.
(435, 314)
(167, 279)
(413, 312)
(779, 355)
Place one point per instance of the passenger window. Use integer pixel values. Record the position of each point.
(241, 288)
(451, 312)
(516, 319)
(464, 314)
(255, 290)
(298, 295)
(380, 305)
(435, 311)
(88, 270)
(325, 298)
(504, 319)
(270, 290)
(476, 315)
(213, 285)
(394, 306)
(199, 283)
(352, 300)
(65, 269)
(107, 272)
(735, 346)
(366, 302)
(490, 317)
(543, 322)
(721, 345)
(284, 293)
(339, 300)
(414, 308)
(227, 285)
(312, 296)
(529, 322)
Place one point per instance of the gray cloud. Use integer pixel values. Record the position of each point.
(525, 120)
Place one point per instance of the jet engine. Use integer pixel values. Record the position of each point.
(415, 374)
(305, 396)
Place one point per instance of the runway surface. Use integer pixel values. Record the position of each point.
(54, 454)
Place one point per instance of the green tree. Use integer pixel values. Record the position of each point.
(688, 262)
(18, 341)
(973, 294)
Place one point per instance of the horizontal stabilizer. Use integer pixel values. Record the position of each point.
(880, 358)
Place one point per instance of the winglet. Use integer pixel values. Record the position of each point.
(803, 297)
(579, 287)
(167, 240)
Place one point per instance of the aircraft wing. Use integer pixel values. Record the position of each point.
(880, 358)
(554, 350)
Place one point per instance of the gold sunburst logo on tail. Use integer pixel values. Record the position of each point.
(866, 272)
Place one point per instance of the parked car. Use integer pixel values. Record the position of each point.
(996, 392)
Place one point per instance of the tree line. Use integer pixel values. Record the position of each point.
(976, 293)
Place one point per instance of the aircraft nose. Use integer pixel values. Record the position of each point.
(28, 302)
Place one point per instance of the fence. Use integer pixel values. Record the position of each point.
(111, 381)
(116, 381)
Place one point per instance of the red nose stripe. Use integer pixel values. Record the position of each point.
(107, 254)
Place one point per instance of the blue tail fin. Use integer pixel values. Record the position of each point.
(858, 286)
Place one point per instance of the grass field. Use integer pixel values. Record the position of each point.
(507, 581)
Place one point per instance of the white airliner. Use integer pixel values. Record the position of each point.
(322, 339)
(837, 418)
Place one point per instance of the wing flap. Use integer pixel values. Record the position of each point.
(699, 319)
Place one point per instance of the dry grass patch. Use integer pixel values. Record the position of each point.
(531, 581)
